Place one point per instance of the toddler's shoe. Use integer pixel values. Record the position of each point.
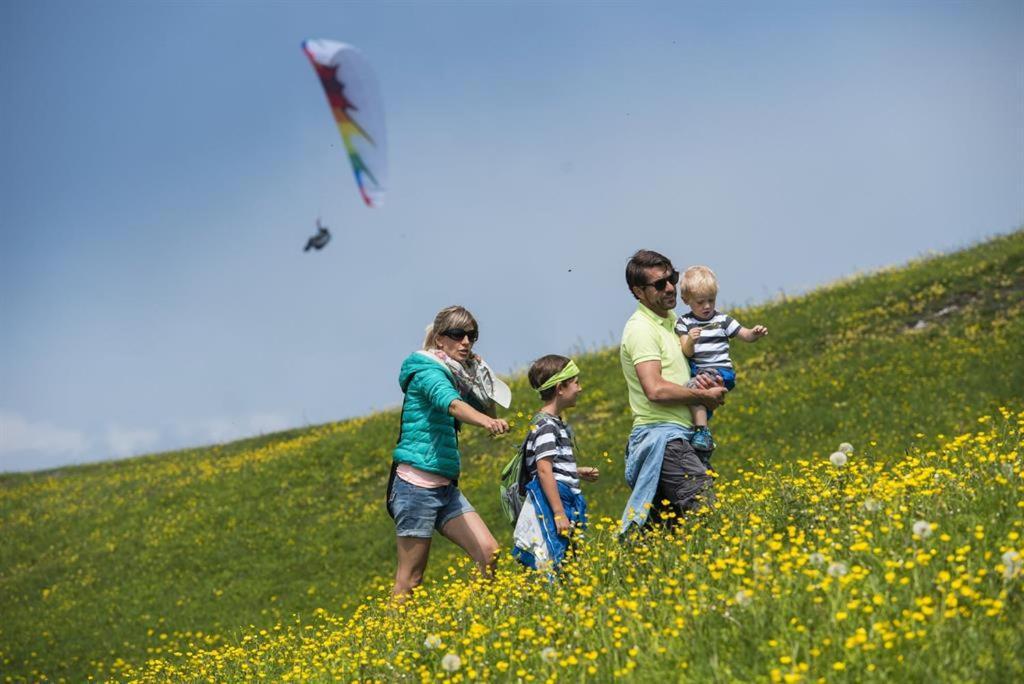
(702, 441)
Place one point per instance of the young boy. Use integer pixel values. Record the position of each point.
(554, 500)
(704, 333)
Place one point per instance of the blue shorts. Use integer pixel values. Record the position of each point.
(418, 511)
(728, 374)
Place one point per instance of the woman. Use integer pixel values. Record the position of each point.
(445, 384)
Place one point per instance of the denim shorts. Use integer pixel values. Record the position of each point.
(418, 511)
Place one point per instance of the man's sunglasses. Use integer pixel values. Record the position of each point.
(458, 334)
(661, 283)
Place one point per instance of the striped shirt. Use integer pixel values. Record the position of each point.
(711, 349)
(552, 439)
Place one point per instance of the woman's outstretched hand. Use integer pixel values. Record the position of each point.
(496, 426)
(467, 414)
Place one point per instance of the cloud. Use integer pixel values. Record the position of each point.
(216, 430)
(263, 423)
(18, 434)
(124, 441)
(33, 445)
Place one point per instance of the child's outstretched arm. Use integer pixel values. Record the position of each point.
(588, 473)
(752, 334)
(546, 475)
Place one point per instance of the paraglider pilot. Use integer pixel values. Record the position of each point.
(320, 240)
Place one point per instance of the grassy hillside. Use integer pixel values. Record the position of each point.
(850, 568)
(106, 566)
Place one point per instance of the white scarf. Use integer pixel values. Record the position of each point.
(473, 379)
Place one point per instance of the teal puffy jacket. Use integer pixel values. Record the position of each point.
(428, 440)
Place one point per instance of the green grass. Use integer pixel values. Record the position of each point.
(143, 558)
(906, 568)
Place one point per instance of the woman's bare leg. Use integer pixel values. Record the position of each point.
(412, 561)
(470, 532)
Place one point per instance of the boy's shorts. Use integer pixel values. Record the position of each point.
(418, 511)
(728, 376)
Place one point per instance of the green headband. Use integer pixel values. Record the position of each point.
(570, 371)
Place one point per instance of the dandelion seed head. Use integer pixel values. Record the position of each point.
(432, 641)
(549, 655)
(837, 569)
(838, 459)
(816, 559)
(1012, 564)
(872, 505)
(922, 528)
(451, 662)
(742, 598)
(846, 448)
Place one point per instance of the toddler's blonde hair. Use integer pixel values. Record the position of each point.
(697, 282)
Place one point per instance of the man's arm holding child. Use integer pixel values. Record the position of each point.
(657, 389)
(752, 334)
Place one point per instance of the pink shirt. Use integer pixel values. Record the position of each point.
(421, 478)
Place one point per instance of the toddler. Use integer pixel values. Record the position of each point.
(704, 333)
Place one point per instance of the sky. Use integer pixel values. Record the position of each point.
(162, 165)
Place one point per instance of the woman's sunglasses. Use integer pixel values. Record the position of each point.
(458, 334)
(661, 283)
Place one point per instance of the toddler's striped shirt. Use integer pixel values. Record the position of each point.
(711, 349)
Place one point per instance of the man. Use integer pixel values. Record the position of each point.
(660, 463)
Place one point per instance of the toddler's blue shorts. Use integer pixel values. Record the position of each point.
(728, 374)
(418, 511)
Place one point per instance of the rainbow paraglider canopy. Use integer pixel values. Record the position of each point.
(354, 98)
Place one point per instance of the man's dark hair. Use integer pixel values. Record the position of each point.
(641, 261)
(542, 369)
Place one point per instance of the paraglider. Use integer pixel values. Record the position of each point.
(320, 240)
(354, 99)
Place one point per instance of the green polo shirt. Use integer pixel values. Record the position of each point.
(646, 337)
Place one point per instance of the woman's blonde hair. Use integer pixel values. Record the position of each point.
(446, 319)
(697, 282)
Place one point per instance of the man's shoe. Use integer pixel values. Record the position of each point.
(701, 440)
